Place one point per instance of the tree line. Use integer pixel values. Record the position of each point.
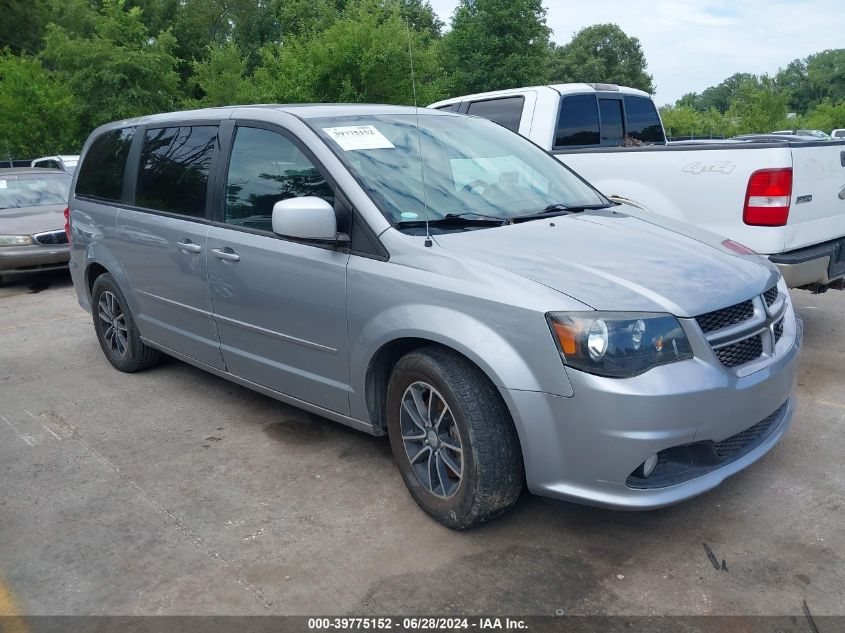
(67, 66)
(808, 93)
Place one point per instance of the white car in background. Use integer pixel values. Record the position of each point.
(65, 162)
(807, 133)
(840, 133)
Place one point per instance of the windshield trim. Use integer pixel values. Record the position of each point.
(310, 123)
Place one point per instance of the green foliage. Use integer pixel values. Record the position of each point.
(496, 44)
(813, 88)
(722, 95)
(826, 116)
(220, 78)
(826, 75)
(37, 110)
(758, 108)
(121, 69)
(361, 57)
(602, 53)
(70, 65)
(22, 26)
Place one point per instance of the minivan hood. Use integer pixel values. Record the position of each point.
(31, 220)
(610, 260)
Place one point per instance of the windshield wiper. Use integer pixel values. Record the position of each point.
(456, 220)
(558, 208)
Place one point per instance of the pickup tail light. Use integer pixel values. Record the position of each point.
(67, 223)
(767, 197)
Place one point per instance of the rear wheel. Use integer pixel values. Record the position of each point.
(452, 438)
(116, 330)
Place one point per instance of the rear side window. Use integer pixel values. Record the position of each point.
(612, 132)
(642, 121)
(452, 107)
(101, 174)
(173, 171)
(506, 112)
(578, 123)
(267, 167)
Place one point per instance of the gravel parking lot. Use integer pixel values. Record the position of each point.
(175, 492)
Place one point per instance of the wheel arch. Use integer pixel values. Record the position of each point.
(98, 261)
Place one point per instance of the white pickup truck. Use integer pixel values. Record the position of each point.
(784, 198)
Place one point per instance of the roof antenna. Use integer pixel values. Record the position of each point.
(428, 241)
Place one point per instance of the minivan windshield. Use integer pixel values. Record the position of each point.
(33, 189)
(451, 165)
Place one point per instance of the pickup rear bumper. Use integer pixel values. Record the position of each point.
(819, 264)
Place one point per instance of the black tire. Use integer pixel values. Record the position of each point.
(135, 354)
(492, 473)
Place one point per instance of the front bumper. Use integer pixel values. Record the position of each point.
(37, 257)
(585, 447)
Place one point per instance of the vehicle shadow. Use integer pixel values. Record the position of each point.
(33, 283)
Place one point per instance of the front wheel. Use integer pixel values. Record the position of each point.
(452, 438)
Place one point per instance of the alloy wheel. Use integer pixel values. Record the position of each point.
(431, 439)
(113, 323)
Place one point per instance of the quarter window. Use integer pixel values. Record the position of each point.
(173, 172)
(506, 112)
(579, 121)
(452, 107)
(612, 132)
(102, 170)
(642, 122)
(267, 167)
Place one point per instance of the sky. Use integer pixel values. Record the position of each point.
(690, 45)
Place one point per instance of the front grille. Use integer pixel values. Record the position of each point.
(735, 443)
(778, 330)
(770, 296)
(725, 317)
(740, 352)
(53, 237)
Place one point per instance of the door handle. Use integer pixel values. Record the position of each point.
(189, 247)
(226, 255)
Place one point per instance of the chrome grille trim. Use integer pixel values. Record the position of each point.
(51, 237)
(770, 296)
(777, 329)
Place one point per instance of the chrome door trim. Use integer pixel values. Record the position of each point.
(175, 303)
(284, 337)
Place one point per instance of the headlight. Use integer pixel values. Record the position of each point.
(618, 344)
(15, 240)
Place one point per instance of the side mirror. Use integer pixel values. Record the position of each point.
(306, 218)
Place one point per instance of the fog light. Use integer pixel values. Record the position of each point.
(649, 465)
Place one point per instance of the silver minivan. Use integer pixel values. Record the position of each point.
(439, 279)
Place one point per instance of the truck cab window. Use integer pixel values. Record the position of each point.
(612, 132)
(642, 122)
(578, 123)
(506, 112)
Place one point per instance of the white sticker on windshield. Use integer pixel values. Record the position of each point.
(358, 137)
(2, 184)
